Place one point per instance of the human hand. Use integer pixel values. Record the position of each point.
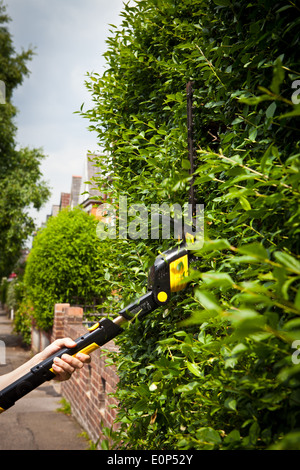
(65, 366)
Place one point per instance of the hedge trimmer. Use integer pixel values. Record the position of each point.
(166, 276)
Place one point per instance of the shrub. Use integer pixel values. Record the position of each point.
(23, 320)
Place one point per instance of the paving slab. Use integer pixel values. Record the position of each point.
(34, 423)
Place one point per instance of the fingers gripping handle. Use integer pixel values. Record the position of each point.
(104, 332)
(100, 334)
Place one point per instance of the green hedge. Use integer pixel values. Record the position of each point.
(216, 369)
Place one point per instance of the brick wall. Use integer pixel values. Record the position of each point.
(89, 388)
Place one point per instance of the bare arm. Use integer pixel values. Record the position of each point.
(63, 367)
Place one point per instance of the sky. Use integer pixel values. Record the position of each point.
(69, 40)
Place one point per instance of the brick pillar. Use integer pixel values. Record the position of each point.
(73, 315)
(58, 324)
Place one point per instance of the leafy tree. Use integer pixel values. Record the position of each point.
(21, 185)
(64, 265)
(218, 368)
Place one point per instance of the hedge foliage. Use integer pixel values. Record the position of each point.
(218, 368)
(64, 265)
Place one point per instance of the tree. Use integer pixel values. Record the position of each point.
(20, 177)
(64, 265)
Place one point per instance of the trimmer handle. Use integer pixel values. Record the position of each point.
(97, 336)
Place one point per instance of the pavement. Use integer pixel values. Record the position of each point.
(34, 423)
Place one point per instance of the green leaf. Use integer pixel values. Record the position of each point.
(231, 358)
(190, 387)
(230, 404)
(141, 406)
(198, 317)
(217, 279)
(247, 322)
(271, 110)
(245, 203)
(193, 368)
(208, 435)
(278, 76)
(233, 436)
(266, 158)
(288, 261)
(212, 245)
(185, 164)
(253, 134)
(255, 250)
(254, 100)
(207, 300)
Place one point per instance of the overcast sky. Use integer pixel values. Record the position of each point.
(69, 40)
